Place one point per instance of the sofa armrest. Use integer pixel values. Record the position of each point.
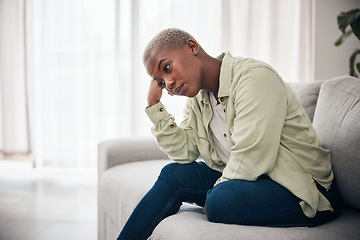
(123, 150)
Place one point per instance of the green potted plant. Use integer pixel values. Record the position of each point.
(351, 19)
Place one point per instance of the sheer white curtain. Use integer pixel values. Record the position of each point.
(13, 113)
(85, 78)
(278, 32)
(74, 94)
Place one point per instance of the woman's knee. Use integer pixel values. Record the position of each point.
(169, 171)
(172, 169)
(174, 173)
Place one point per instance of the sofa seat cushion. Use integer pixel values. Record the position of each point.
(337, 123)
(122, 187)
(190, 224)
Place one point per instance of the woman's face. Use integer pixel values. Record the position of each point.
(177, 69)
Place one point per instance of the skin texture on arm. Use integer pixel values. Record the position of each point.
(154, 94)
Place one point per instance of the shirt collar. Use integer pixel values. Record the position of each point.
(226, 72)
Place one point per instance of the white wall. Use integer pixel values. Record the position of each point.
(331, 61)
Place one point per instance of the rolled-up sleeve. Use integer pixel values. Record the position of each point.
(177, 142)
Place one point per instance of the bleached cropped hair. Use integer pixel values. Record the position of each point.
(167, 37)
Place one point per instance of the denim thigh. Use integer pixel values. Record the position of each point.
(263, 203)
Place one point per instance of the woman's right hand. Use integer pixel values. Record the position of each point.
(154, 94)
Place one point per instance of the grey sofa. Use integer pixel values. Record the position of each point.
(129, 167)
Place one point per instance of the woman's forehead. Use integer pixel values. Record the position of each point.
(158, 55)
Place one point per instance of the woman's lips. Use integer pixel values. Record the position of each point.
(179, 89)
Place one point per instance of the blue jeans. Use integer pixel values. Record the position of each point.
(261, 203)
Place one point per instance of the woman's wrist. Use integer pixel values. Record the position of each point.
(152, 103)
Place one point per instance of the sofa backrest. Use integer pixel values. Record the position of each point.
(307, 94)
(337, 123)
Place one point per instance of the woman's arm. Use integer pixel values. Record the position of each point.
(177, 142)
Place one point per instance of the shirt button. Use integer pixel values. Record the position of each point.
(221, 99)
(161, 109)
(225, 135)
(172, 125)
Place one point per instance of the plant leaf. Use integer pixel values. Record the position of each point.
(352, 63)
(355, 26)
(342, 38)
(346, 18)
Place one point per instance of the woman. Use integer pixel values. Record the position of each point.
(263, 163)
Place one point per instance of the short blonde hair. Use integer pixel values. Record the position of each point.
(168, 37)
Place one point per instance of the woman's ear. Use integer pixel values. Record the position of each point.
(193, 46)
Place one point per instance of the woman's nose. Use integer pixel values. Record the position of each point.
(170, 83)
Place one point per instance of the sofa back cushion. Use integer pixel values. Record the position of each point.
(307, 94)
(337, 123)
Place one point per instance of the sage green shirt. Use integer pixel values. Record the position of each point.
(267, 130)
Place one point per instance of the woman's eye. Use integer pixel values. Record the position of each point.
(161, 83)
(167, 68)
